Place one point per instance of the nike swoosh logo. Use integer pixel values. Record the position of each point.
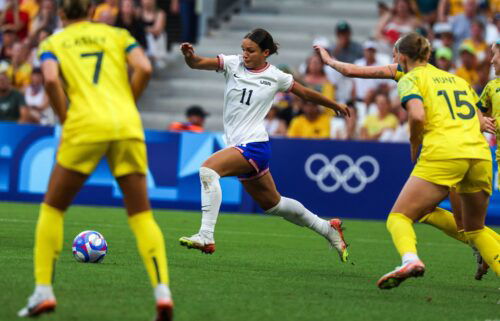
(235, 76)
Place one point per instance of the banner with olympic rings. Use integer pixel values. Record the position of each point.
(331, 178)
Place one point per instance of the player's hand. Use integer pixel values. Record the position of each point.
(323, 53)
(187, 49)
(342, 110)
(488, 125)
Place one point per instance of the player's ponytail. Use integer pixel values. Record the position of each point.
(415, 46)
(75, 9)
(264, 39)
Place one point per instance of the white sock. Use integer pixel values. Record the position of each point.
(409, 257)
(293, 211)
(44, 290)
(211, 199)
(162, 292)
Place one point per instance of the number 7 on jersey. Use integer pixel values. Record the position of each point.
(99, 55)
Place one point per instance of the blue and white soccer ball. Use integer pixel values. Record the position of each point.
(89, 247)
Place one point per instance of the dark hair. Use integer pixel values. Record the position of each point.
(415, 46)
(36, 71)
(75, 9)
(263, 39)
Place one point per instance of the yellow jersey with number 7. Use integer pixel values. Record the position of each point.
(451, 128)
(93, 63)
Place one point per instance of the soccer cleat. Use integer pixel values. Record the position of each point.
(164, 310)
(38, 304)
(482, 266)
(336, 239)
(198, 242)
(394, 278)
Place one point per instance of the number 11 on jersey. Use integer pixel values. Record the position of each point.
(242, 101)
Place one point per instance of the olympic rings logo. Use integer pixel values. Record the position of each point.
(353, 179)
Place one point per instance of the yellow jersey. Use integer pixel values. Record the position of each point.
(451, 128)
(490, 102)
(374, 125)
(92, 61)
(301, 127)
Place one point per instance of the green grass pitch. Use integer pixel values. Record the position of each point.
(264, 269)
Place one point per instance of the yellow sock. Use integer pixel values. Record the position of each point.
(403, 235)
(492, 233)
(444, 220)
(151, 246)
(487, 246)
(48, 243)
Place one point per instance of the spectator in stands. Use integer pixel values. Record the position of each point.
(46, 19)
(449, 8)
(444, 59)
(14, 19)
(315, 77)
(37, 39)
(345, 128)
(345, 48)
(493, 29)
(37, 102)
(31, 7)
(154, 20)
(402, 132)
(189, 19)
(20, 69)
(106, 12)
(469, 65)
(195, 120)
(9, 38)
(313, 123)
(477, 41)
(462, 23)
(275, 126)
(12, 103)
(444, 36)
(400, 20)
(375, 125)
(129, 19)
(365, 88)
(428, 10)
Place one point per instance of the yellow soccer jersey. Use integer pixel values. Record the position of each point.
(490, 102)
(451, 129)
(92, 61)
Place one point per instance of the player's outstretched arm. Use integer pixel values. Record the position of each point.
(317, 98)
(54, 88)
(141, 71)
(197, 62)
(354, 71)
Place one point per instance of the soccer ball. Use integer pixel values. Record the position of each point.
(89, 247)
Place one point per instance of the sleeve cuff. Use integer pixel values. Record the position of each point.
(47, 55)
(481, 107)
(291, 87)
(220, 61)
(130, 47)
(406, 99)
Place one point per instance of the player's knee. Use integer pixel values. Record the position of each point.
(208, 176)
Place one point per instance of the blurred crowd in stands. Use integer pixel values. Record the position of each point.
(24, 24)
(461, 32)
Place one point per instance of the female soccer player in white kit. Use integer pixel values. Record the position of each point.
(251, 84)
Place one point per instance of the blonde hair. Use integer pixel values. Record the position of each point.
(415, 46)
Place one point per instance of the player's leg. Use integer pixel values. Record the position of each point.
(63, 186)
(400, 225)
(263, 191)
(474, 208)
(226, 162)
(475, 190)
(128, 162)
